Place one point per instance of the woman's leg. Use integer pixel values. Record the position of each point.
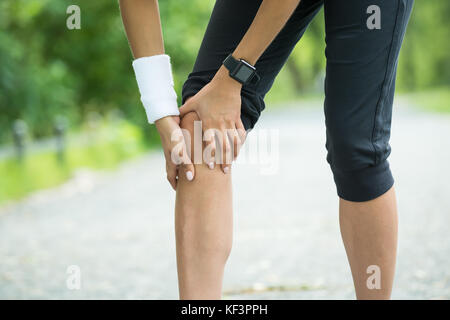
(369, 232)
(203, 227)
(363, 44)
(203, 206)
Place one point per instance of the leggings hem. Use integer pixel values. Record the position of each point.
(363, 184)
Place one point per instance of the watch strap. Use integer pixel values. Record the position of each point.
(231, 63)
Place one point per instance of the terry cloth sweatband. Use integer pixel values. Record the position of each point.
(155, 82)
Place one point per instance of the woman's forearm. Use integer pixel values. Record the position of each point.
(271, 17)
(154, 76)
(151, 66)
(143, 27)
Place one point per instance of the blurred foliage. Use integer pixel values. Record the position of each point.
(47, 70)
(435, 99)
(424, 60)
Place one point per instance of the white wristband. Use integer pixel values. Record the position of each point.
(155, 82)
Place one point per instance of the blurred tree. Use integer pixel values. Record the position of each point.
(424, 60)
(47, 70)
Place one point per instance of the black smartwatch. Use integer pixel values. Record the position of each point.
(240, 70)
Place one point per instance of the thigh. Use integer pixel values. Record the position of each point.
(363, 42)
(229, 22)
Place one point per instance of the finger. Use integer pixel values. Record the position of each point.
(209, 153)
(172, 175)
(186, 154)
(176, 148)
(235, 142)
(190, 172)
(226, 152)
(187, 164)
(186, 108)
(241, 130)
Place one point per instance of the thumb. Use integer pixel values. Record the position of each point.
(186, 108)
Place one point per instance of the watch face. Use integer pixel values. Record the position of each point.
(244, 73)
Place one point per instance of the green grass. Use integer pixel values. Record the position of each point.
(436, 100)
(107, 148)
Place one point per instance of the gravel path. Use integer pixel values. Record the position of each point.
(118, 226)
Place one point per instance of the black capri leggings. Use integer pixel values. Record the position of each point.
(363, 40)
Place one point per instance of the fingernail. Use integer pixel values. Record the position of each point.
(226, 170)
(189, 175)
(211, 165)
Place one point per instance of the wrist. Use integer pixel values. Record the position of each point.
(222, 78)
(240, 70)
(155, 82)
(165, 126)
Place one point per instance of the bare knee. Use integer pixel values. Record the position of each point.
(204, 208)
